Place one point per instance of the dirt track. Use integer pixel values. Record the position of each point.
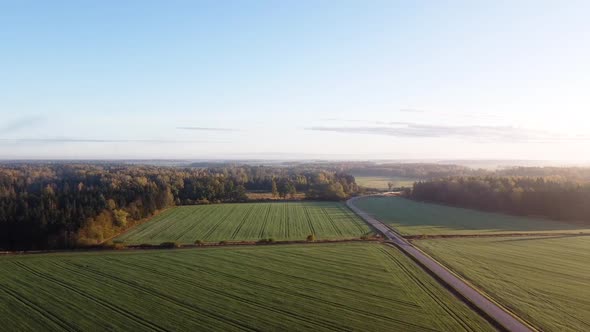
(489, 308)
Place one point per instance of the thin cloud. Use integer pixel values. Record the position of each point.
(207, 129)
(412, 110)
(393, 123)
(19, 124)
(476, 133)
(90, 140)
(456, 114)
(342, 120)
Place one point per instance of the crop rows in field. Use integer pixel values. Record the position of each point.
(416, 218)
(249, 222)
(546, 280)
(363, 287)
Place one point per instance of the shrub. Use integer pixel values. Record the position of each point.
(119, 246)
(364, 237)
(199, 242)
(169, 245)
(310, 238)
(108, 245)
(266, 241)
(222, 243)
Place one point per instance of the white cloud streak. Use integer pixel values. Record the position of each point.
(475, 132)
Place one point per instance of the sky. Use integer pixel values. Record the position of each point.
(295, 79)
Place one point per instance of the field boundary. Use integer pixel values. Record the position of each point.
(229, 244)
(452, 236)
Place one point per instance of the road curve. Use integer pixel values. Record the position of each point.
(498, 314)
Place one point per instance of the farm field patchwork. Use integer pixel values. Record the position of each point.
(545, 280)
(361, 286)
(416, 218)
(249, 222)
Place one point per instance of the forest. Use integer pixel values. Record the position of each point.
(422, 171)
(429, 171)
(55, 205)
(555, 197)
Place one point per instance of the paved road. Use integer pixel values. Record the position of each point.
(500, 315)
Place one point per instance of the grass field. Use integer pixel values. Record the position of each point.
(362, 287)
(249, 222)
(415, 218)
(381, 182)
(544, 280)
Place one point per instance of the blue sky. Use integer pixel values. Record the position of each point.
(295, 79)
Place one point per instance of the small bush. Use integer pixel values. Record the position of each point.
(310, 238)
(222, 243)
(364, 237)
(145, 245)
(199, 242)
(105, 245)
(169, 245)
(119, 246)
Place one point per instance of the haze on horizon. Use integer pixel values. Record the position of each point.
(258, 79)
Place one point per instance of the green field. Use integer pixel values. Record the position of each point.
(249, 222)
(381, 182)
(415, 218)
(545, 280)
(362, 287)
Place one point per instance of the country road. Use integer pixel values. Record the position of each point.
(498, 314)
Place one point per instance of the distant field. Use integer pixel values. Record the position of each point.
(249, 222)
(544, 280)
(263, 195)
(361, 287)
(381, 182)
(415, 218)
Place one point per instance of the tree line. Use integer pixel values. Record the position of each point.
(430, 171)
(557, 199)
(66, 205)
